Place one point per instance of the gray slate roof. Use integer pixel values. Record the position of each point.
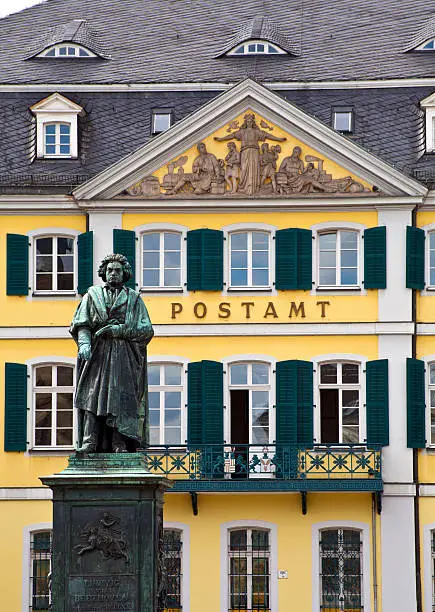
(76, 31)
(179, 40)
(388, 122)
(264, 29)
(424, 33)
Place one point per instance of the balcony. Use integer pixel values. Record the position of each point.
(249, 467)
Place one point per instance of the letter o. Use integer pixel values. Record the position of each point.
(200, 310)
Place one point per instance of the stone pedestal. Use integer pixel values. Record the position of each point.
(107, 534)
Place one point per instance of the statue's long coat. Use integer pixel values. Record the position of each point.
(113, 382)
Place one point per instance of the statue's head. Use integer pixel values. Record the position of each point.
(201, 148)
(249, 120)
(296, 152)
(115, 269)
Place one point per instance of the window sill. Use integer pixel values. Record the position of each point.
(42, 157)
(161, 290)
(53, 293)
(250, 289)
(429, 288)
(338, 288)
(64, 451)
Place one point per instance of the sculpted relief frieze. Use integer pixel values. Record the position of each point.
(255, 162)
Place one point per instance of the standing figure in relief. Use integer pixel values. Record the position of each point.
(232, 170)
(112, 329)
(249, 135)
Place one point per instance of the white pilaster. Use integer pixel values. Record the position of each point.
(102, 223)
(398, 555)
(395, 302)
(396, 458)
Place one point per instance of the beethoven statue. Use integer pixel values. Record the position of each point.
(112, 328)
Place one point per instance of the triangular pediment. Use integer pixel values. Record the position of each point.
(56, 103)
(249, 143)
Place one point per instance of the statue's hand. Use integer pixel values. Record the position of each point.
(85, 351)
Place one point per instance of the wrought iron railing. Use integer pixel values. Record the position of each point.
(271, 461)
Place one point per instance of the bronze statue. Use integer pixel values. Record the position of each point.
(112, 328)
(250, 135)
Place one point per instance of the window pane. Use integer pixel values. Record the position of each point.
(260, 259)
(151, 259)
(260, 374)
(64, 376)
(239, 241)
(65, 418)
(83, 53)
(172, 435)
(328, 373)
(327, 276)
(349, 240)
(154, 399)
(239, 374)
(349, 259)
(350, 435)
(173, 399)
(350, 399)
(43, 376)
(239, 278)
(154, 436)
(327, 241)
(151, 278)
(43, 401)
(260, 418)
(238, 539)
(251, 48)
(50, 150)
(260, 399)
(162, 121)
(172, 375)
(65, 282)
(260, 278)
(154, 418)
(172, 259)
(44, 246)
(349, 276)
(64, 401)
(43, 437)
(44, 282)
(327, 259)
(260, 538)
(151, 242)
(50, 53)
(239, 259)
(64, 149)
(272, 49)
(64, 129)
(153, 375)
(350, 373)
(173, 417)
(342, 121)
(171, 278)
(64, 139)
(432, 398)
(65, 246)
(65, 263)
(62, 51)
(260, 435)
(50, 129)
(350, 416)
(172, 242)
(260, 241)
(43, 418)
(64, 437)
(44, 263)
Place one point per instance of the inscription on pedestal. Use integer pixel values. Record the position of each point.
(102, 594)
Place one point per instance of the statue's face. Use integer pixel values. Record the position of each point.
(201, 148)
(114, 273)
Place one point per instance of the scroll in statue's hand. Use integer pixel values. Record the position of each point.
(85, 351)
(114, 331)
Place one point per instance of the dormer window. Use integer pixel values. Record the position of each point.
(257, 47)
(67, 50)
(428, 104)
(427, 46)
(56, 127)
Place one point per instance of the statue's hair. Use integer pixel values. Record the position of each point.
(245, 121)
(126, 267)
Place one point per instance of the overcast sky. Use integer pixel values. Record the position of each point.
(12, 6)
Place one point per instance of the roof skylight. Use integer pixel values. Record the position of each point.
(66, 50)
(257, 47)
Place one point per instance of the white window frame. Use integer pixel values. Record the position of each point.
(237, 228)
(428, 105)
(428, 230)
(51, 232)
(57, 136)
(56, 109)
(340, 358)
(28, 531)
(428, 359)
(347, 111)
(364, 528)
(31, 365)
(250, 359)
(161, 227)
(423, 45)
(155, 114)
(273, 558)
(336, 226)
(62, 45)
(185, 560)
(183, 362)
(256, 41)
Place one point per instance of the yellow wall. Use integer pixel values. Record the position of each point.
(284, 510)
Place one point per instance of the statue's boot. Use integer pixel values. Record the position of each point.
(90, 435)
(118, 442)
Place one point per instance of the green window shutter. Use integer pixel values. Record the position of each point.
(377, 402)
(15, 407)
(293, 258)
(416, 406)
(85, 248)
(17, 266)
(415, 238)
(205, 260)
(294, 402)
(124, 242)
(205, 401)
(375, 257)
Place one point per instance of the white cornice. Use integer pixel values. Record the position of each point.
(215, 86)
(220, 110)
(169, 330)
(37, 204)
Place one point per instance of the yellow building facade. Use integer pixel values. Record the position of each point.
(278, 374)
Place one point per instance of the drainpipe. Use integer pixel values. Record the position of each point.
(415, 461)
(375, 556)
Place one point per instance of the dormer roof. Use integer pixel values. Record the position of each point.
(424, 34)
(76, 31)
(260, 28)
